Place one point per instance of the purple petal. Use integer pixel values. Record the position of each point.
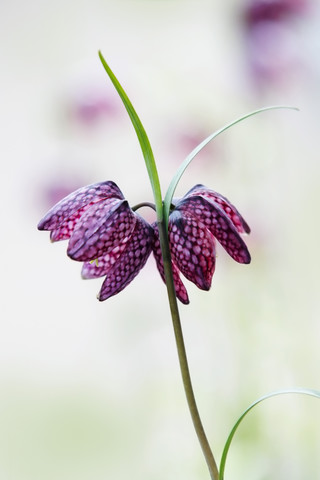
(238, 221)
(100, 230)
(130, 262)
(180, 289)
(66, 228)
(101, 265)
(192, 247)
(70, 207)
(218, 223)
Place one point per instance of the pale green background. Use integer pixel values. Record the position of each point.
(92, 390)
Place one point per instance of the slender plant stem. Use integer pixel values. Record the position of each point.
(184, 367)
(164, 242)
(144, 204)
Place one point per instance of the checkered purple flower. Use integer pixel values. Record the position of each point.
(195, 221)
(103, 232)
(114, 241)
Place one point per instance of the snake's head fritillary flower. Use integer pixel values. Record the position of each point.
(103, 232)
(196, 220)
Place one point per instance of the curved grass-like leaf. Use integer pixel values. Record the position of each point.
(195, 151)
(142, 137)
(302, 391)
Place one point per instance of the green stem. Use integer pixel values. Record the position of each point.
(144, 204)
(184, 367)
(164, 242)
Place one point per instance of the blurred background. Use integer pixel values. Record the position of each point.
(92, 390)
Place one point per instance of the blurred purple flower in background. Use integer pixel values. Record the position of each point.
(90, 105)
(88, 100)
(57, 185)
(271, 35)
(114, 241)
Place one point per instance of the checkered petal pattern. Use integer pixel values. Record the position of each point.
(231, 211)
(218, 223)
(181, 290)
(114, 242)
(64, 216)
(103, 232)
(192, 248)
(130, 261)
(195, 221)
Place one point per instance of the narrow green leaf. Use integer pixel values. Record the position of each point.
(190, 157)
(302, 391)
(142, 137)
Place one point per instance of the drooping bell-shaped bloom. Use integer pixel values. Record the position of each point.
(114, 241)
(103, 232)
(196, 220)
